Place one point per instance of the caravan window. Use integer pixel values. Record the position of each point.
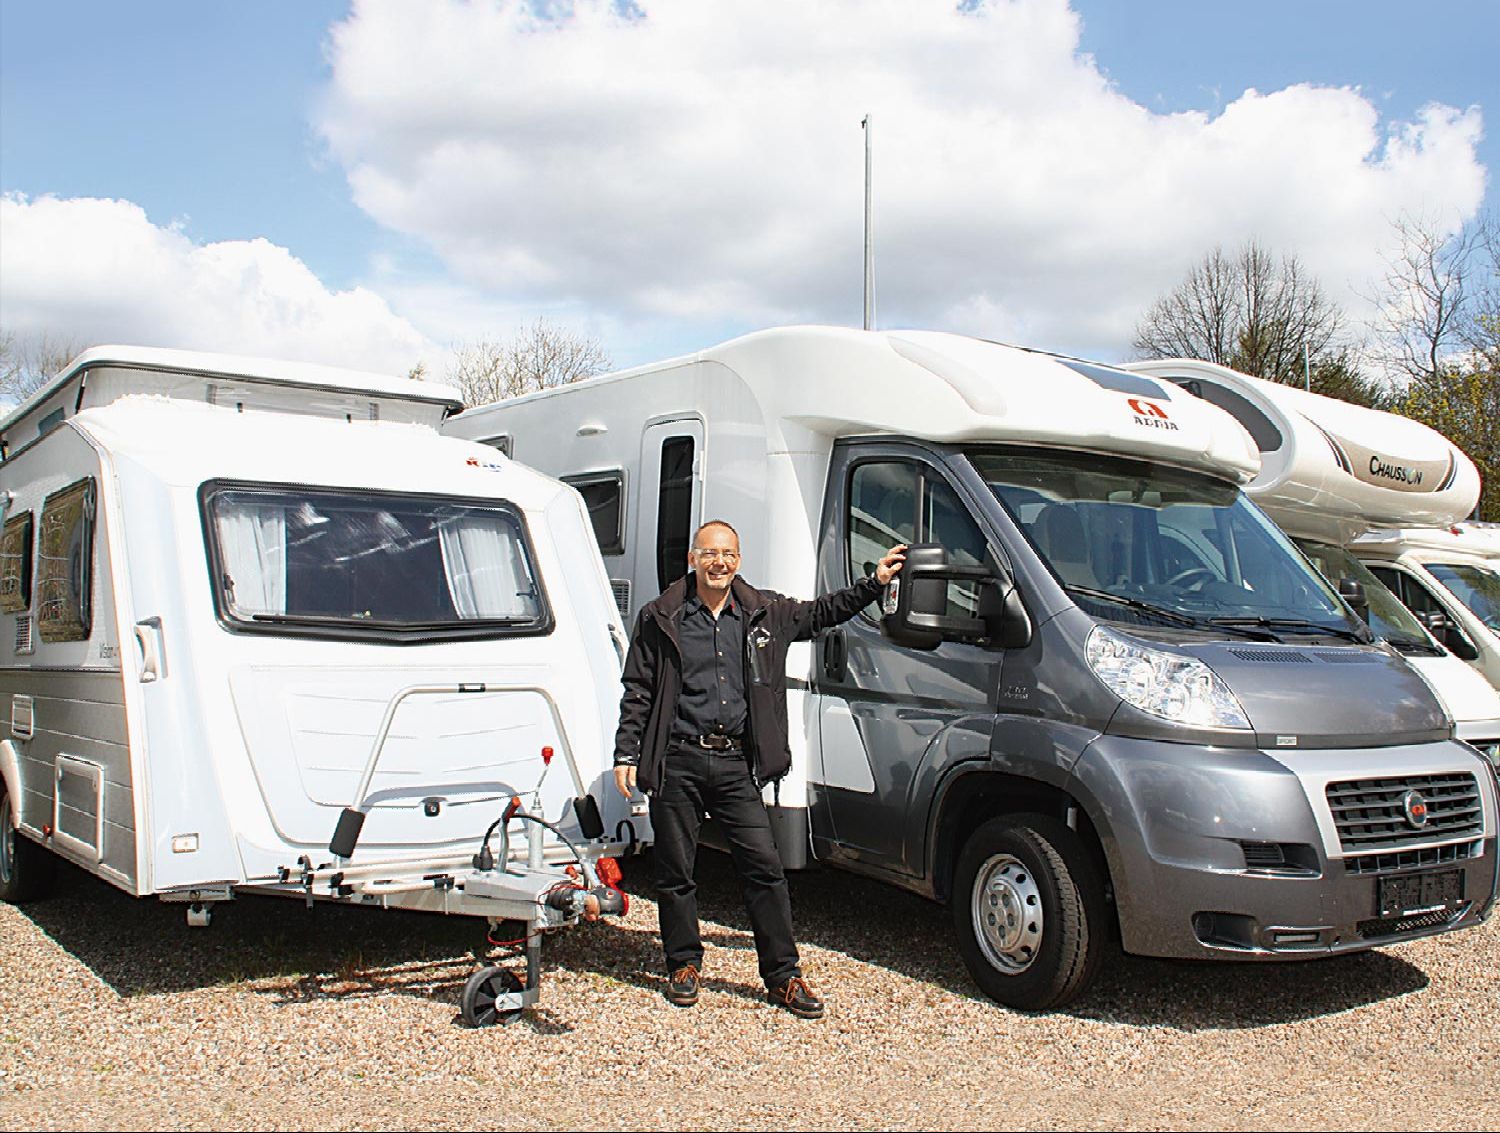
(15, 564)
(325, 562)
(65, 564)
(604, 495)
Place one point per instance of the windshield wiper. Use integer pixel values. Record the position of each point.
(1362, 635)
(1169, 615)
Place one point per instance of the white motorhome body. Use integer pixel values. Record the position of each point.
(1334, 474)
(240, 597)
(1101, 584)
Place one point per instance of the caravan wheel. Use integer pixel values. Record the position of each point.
(26, 870)
(482, 991)
(1029, 911)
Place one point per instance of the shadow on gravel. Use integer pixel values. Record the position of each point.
(912, 937)
(294, 954)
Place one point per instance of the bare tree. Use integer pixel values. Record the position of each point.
(1427, 305)
(27, 364)
(1253, 312)
(538, 356)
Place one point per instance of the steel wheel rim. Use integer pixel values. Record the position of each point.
(1006, 908)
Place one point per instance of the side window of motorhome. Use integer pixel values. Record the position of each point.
(674, 510)
(15, 564)
(65, 564)
(604, 495)
(368, 561)
(1475, 587)
(502, 442)
(884, 510)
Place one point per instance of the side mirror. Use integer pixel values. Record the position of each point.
(1442, 627)
(918, 612)
(1352, 591)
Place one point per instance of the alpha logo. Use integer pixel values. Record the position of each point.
(1151, 415)
(487, 465)
(1415, 807)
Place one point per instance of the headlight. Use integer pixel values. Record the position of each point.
(1177, 688)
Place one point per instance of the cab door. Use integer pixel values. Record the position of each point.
(884, 711)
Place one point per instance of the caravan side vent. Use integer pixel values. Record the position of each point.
(621, 588)
(25, 643)
(22, 717)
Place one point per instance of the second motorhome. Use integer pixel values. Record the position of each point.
(1107, 694)
(1340, 478)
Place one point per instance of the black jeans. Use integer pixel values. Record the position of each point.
(695, 782)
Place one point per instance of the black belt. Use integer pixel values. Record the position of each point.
(727, 745)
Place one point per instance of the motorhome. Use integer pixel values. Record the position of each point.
(1105, 693)
(1449, 576)
(1338, 478)
(263, 629)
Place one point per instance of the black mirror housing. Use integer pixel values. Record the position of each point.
(915, 603)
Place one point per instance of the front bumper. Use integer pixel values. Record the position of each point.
(1218, 852)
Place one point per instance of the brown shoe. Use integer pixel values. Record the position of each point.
(682, 986)
(797, 997)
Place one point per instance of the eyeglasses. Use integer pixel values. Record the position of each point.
(715, 555)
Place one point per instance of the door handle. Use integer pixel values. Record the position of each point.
(835, 656)
(153, 656)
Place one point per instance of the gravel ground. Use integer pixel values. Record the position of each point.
(115, 1015)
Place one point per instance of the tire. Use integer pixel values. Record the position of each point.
(27, 870)
(1028, 908)
(484, 987)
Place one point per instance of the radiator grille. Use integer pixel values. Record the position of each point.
(1370, 814)
(1394, 926)
(1412, 859)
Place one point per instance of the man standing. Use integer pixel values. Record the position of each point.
(703, 726)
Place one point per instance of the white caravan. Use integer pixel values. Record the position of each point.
(1106, 693)
(1337, 477)
(245, 605)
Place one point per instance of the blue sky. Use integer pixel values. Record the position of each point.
(584, 192)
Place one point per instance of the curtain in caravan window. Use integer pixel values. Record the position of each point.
(486, 570)
(252, 540)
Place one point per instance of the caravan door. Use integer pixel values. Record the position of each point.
(670, 498)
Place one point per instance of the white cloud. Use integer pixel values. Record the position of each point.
(702, 163)
(89, 271)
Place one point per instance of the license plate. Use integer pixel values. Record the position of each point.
(1419, 893)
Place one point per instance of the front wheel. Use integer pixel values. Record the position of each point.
(1028, 908)
(26, 869)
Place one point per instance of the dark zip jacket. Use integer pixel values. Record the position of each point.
(653, 672)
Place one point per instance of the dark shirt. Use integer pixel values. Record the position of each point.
(713, 671)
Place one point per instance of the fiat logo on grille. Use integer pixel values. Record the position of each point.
(1415, 807)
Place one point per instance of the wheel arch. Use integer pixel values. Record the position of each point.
(973, 795)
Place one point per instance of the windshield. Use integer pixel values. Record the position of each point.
(369, 564)
(1142, 543)
(1476, 587)
(1387, 617)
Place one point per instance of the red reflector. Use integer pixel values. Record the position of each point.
(547, 756)
(609, 872)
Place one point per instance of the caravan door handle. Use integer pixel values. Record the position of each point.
(835, 656)
(153, 659)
